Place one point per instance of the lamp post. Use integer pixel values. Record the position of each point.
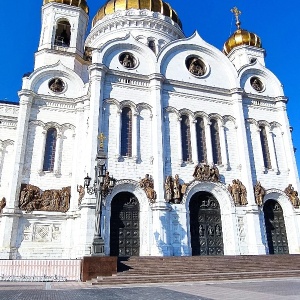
(101, 187)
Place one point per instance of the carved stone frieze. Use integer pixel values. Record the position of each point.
(205, 172)
(293, 195)
(259, 193)
(238, 192)
(148, 186)
(174, 190)
(33, 198)
(2, 204)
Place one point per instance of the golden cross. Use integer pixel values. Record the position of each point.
(237, 13)
(101, 138)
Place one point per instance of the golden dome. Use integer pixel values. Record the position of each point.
(79, 3)
(242, 37)
(112, 6)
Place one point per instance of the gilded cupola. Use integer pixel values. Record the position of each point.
(240, 36)
(79, 3)
(113, 6)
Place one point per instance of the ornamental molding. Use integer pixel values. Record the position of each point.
(54, 105)
(172, 83)
(127, 79)
(136, 107)
(8, 110)
(249, 96)
(201, 114)
(128, 18)
(5, 143)
(271, 125)
(276, 191)
(8, 122)
(60, 127)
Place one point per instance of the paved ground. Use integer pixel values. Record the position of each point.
(273, 289)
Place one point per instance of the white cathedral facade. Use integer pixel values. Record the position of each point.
(197, 139)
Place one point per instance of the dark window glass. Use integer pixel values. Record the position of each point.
(151, 45)
(50, 147)
(201, 145)
(215, 141)
(126, 132)
(186, 139)
(265, 147)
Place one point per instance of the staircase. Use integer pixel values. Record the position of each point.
(201, 268)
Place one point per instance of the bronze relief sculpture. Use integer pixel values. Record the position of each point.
(174, 190)
(259, 193)
(238, 192)
(33, 198)
(205, 172)
(148, 186)
(2, 204)
(293, 195)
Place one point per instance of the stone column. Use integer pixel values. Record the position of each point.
(87, 230)
(272, 150)
(180, 160)
(42, 153)
(194, 141)
(58, 153)
(10, 215)
(209, 155)
(223, 144)
(160, 209)
(134, 134)
(118, 134)
(254, 239)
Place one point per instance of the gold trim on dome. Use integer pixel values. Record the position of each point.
(241, 36)
(79, 3)
(118, 5)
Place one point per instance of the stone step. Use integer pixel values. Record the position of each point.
(194, 277)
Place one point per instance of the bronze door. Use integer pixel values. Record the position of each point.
(275, 228)
(124, 225)
(205, 225)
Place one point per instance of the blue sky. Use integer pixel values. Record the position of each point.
(276, 22)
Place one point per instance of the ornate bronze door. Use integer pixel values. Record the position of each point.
(124, 225)
(275, 228)
(205, 225)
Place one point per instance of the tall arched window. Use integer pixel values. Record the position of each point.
(186, 139)
(126, 132)
(201, 145)
(63, 34)
(49, 156)
(215, 141)
(265, 147)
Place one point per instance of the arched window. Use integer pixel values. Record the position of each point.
(265, 147)
(215, 141)
(63, 34)
(126, 132)
(201, 145)
(151, 45)
(186, 139)
(50, 147)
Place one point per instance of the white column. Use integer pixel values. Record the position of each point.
(261, 165)
(194, 141)
(58, 153)
(42, 153)
(160, 209)
(209, 152)
(118, 134)
(223, 144)
(272, 150)
(134, 135)
(9, 220)
(255, 245)
(180, 160)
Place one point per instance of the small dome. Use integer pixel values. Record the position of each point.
(79, 3)
(112, 6)
(242, 37)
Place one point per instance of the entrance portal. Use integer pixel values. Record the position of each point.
(206, 226)
(275, 228)
(124, 225)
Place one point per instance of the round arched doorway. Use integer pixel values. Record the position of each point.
(275, 228)
(125, 225)
(205, 225)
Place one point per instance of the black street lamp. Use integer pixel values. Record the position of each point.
(103, 184)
